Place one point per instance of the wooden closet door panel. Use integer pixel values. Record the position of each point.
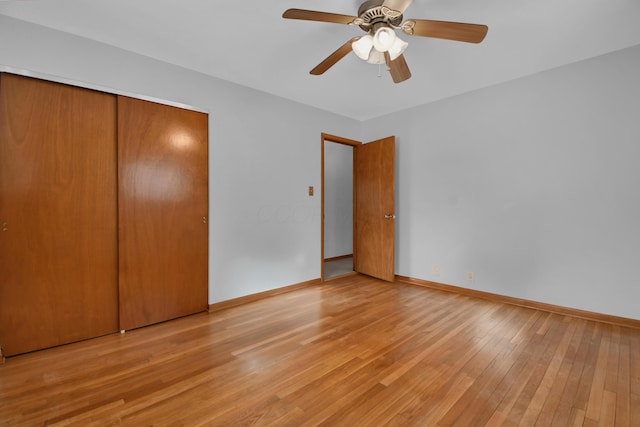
(58, 250)
(163, 205)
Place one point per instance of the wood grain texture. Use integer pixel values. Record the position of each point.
(589, 315)
(332, 59)
(457, 31)
(338, 139)
(163, 211)
(354, 351)
(58, 255)
(313, 15)
(375, 196)
(398, 68)
(223, 305)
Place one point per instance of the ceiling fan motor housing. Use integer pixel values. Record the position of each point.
(379, 20)
(372, 15)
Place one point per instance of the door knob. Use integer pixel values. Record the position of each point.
(390, 217)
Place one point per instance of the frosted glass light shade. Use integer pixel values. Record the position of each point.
(362, 47)
(376, 57)
(397, 48)
(383, 39)
(371, 48)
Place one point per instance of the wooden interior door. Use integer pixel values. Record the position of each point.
(58, 248)
(163, 209)
(375, 217)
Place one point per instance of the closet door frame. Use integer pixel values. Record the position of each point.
(41, 309)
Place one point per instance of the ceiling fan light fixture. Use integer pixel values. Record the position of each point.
(376, 57)
(379, 19)
(397, 48)
(383, 39)
(362, 47)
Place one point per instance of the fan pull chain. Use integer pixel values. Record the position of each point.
(379, 70)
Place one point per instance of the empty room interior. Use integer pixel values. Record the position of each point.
(364, 213)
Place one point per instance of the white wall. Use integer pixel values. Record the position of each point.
(338, 199)
(533, 185)
(264, 153)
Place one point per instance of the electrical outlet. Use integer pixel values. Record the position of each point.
(437, 270)
(470, 276)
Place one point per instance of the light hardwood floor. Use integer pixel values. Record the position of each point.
(353, 351)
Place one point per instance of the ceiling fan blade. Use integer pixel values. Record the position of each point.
(398, 68)
(470, 33)
(331, 60)
(312, 15)
(397, 5)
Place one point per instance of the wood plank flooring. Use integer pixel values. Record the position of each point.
(354, 351)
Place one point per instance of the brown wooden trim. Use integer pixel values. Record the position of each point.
(223, 305)
(326, 137)
(339, 139)
(583, 314)
(336, 258)
(322, 206)
(354, 204)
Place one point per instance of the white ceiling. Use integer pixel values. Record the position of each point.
(249, 43)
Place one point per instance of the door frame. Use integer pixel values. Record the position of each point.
(325, 137)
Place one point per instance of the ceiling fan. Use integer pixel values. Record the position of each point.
(379, 19)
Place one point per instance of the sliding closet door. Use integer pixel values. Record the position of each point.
(58, 248)
(162, 202)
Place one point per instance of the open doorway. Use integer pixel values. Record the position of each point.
(337, 206)
(372, 215)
